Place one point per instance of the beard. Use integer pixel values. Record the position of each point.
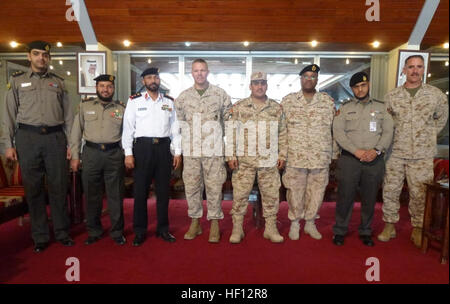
(153, 87)
(107, 99)
(362, 98)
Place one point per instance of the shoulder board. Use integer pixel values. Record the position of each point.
(169, 97)
(326, 94)
(88, 99)
(18, 73)
(120, 103)
(346, 102)
(57, 76)
(135, 96)
(376, 100)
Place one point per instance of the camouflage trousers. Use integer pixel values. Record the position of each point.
(417, 172)
(204, 173)
(269, 186)
(305, 190)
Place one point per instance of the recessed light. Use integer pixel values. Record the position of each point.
(376, 44)
(314, 43)
(51, 67)
(296, 61)
(187, 43)
(446, 45)
(61, 62)
(126, 43)
(446, 63)
(13, 44)
(347, 61)
(149, 61)
(246, 43)
(68, 73)
(429, 75)
(59, 44)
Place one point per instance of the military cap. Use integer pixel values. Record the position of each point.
(105, 77)
(150, 71)
(39, 45)
(310, 68)
(258, 76)
(358, 77)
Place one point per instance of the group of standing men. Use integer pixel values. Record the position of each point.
(262, 137)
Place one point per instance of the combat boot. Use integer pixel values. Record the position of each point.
(387, 233)
(214, 232)
(271, 231)
(416, 237)
(238, 232)
(294, 232)
(194, 230)
(310, 228)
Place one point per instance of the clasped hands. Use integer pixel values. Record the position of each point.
(366, 155)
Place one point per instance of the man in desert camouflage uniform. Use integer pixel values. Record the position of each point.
(309, 117)
(253, 159)
(201, 110)
(419, 112)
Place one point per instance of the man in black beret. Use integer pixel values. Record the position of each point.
(38, 103)
(363, 129)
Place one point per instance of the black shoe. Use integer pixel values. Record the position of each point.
(67, 242)
(367, 240)
(39, 247)
(120, 240)
(91, 240)
(138, 240)
(166, 236)
(338, 240)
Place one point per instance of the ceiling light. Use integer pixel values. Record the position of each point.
(61, 62)
(296, 61)
(59, 44)
(68, 73)
(126, 43)
(347, 61)
(446, 45)
(446, 63)
(429, 75)
(314, 43)
(51, 67)
(376, 44)
(246, 43)
(149, 61)
(13, 44)
(187, 43)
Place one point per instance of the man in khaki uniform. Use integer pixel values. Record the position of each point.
(419, 112)
(309, 117)
(363, 129)
(251, 158)
(37, 120)
(99, 123)
(201, 110)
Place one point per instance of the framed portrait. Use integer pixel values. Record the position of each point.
(403, 54)
(90, 65)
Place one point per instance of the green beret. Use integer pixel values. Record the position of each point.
(105, 77)
(39, 45)
(150, 71)
(310, 68)
(358, 77)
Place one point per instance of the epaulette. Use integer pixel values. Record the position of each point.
(120, 103)
(57, 76)
(18, 73)
(376, 100)
(88, 99)
(326, 94)
(169, 97)
(135, 95)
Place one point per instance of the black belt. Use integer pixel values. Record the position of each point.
(103, 147)
(153, 140)
(41, 129)
(345, 152)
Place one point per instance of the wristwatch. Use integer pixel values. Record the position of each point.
(377, 151)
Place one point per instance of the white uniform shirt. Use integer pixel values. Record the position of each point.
(145, 117)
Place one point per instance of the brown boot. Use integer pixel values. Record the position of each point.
(271, 231)
(194, 230)
(416, 237)
(238, 233)
(214, 232)
(388, 233)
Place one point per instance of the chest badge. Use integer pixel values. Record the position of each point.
(116, 114)
(166, 108)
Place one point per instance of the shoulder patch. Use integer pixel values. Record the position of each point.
(57, 76)
(18, 73)
(135, 96)
(169, 97)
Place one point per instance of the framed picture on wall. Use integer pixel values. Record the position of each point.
(402, 56)
(90, 65)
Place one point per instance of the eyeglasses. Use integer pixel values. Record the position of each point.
(309, 77)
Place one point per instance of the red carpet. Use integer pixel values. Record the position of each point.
(255, 260)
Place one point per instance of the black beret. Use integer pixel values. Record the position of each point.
(105, 77)
(150, 71)
(358, 77)
(39, 45)
(310, 68)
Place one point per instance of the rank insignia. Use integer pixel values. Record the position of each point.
(53, 85)
(166, 108)
(364, 78)
(116, 114)
(313, 68)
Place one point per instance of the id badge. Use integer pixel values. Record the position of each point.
(373, 126)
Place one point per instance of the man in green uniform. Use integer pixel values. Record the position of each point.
(363, 129)
(38, 118)
(99, 123)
